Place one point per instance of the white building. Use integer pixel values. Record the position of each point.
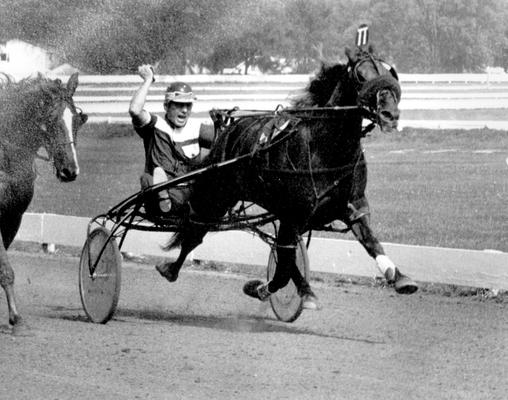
(20, 59)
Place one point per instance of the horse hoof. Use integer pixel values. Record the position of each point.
(257, 289)
(404, 284)
(310, 302)
(166, 272)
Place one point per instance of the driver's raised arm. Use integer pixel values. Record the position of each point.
(137, 112)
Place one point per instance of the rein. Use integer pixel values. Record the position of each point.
(364, 111)
(306, 113)
(295, 114)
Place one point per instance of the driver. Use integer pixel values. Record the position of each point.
(171, 142)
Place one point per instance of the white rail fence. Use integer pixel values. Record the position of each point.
(482, 269)
(483, 78)
(106, 98)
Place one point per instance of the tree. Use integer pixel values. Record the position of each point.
(115, 36)
(251, 36)
(311, 24)
(457, 35)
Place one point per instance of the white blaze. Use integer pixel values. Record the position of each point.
(67, 118)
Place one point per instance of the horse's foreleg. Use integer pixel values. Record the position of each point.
(362, 231)
(189, 241)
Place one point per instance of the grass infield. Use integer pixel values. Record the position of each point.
(426, 187)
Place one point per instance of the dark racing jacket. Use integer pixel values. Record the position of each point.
(176, 150)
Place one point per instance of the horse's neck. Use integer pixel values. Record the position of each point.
(336, 142)
(18, 157)
(17, 178)
(20, 138)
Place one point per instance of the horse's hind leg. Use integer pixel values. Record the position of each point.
(286, 256)
(286, 269)
(188, 241)
(7, 281)
(362, 231)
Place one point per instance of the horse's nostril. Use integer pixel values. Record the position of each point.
(67, 175)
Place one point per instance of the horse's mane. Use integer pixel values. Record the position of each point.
(320, 88)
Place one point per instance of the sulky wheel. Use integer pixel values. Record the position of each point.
(286, 302)
(99, 275)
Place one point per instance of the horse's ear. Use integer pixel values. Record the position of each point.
(372, 49)
(349, 54)
(352, 55)
(394, 73)
(72, 84)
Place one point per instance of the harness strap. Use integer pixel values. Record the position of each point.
(289, 246)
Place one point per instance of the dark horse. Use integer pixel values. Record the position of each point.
(34, 113)
(316, 174)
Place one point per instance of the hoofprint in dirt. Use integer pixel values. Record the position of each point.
(202, 338)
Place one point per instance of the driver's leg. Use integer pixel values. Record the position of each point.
(159, 176)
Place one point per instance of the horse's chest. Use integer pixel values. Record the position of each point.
(15, 194)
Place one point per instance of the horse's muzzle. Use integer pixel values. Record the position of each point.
(66, 175)
(388, 121)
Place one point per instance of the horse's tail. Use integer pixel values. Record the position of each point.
(174, 241)
(187, 237)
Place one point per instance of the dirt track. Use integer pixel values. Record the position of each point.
(201, 338)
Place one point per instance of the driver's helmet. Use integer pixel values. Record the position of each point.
(179, 92)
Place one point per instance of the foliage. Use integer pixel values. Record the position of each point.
(115, 36)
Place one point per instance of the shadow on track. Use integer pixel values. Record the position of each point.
(233, 323)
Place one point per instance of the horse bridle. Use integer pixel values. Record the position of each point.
(353, 70)
(364, 57)
(360, 82)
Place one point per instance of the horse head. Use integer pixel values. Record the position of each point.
(60, 121)
(373, 85)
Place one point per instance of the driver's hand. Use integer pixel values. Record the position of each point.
(145, 71)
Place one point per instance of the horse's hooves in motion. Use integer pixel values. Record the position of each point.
(166, 271)
(403, 284)
(310, 302)
(257, 289)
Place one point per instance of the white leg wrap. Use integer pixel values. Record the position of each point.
(384, 263)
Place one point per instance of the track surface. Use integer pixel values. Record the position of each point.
(200, 338)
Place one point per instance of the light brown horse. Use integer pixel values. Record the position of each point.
(34, 113)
